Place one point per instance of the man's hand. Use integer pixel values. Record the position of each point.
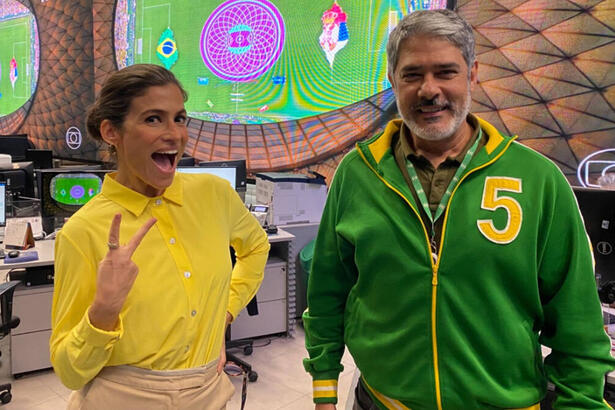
(116, 275)
(325, 406)
(222, 360)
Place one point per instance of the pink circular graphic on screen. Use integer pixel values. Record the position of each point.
(242, 39)
(77, 191)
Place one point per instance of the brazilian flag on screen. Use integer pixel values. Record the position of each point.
(167, 48)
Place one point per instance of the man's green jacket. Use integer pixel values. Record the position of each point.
(514, 272)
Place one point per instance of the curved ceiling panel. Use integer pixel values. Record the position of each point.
(291, 144)
(545, 70)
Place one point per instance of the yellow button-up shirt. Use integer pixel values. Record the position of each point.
(174, 315)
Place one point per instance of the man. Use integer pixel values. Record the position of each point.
(448, 253)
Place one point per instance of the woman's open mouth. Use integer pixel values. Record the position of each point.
(165, 160)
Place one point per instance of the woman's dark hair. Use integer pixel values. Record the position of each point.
(120, 89)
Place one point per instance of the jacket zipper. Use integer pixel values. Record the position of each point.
(434, 279)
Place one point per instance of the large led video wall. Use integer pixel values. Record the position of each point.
(19, 55)
(302, 97)
(263, 61)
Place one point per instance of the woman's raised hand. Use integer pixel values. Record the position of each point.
(116, 275)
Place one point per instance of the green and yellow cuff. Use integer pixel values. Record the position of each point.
(325, 391)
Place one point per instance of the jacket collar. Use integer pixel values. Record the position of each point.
(134, 201)
(375, 148)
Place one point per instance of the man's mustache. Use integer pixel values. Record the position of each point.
(434, 102)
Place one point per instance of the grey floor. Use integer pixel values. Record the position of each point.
(282, 383)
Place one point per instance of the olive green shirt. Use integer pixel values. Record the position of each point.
(434, 181)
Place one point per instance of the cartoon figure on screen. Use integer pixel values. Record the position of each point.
(13, 72)
(334, 35)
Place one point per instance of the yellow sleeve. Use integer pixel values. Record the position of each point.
(251, 246)
(78, 349)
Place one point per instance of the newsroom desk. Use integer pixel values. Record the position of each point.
(32, 304)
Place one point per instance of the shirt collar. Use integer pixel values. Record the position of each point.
(408, 151)
(135, 202)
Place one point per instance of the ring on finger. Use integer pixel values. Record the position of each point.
(113, 245)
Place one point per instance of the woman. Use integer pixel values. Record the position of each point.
(144, 285)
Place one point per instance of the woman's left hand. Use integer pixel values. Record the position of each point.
(222, 360)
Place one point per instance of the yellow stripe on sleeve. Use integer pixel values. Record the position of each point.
(324, 388)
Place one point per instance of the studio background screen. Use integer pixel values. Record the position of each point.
(260, 61)
(19, 55)
(63, 192)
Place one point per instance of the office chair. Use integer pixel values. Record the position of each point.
(247, 344)
(8, 322)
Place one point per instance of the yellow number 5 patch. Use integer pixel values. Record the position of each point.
(492, 200)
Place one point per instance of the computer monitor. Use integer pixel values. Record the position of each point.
(233, 171)
(15, 145)
(598, 209)
(186, 161)
(239, 165)
(19, 179)
(2, 203)
(41, 158)
(64, 191)
(225, 173)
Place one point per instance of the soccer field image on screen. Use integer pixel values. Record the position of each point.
(74, 189)
(18, 55)
(259, 61)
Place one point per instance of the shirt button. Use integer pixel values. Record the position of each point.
(187, 348)
(172, 241)
(193, 313)
(158, 201)
(187, 274)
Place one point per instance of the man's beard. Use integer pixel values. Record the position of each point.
(435, 132)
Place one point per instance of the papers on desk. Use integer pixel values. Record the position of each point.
(18, 234)
(607, 309)
(35, 222)
(608, 314)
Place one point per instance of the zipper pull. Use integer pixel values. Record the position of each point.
(434, 255)
(434, 250)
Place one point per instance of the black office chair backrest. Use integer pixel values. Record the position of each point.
(6, 304)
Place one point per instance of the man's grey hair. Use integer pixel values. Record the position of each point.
(444, 23)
